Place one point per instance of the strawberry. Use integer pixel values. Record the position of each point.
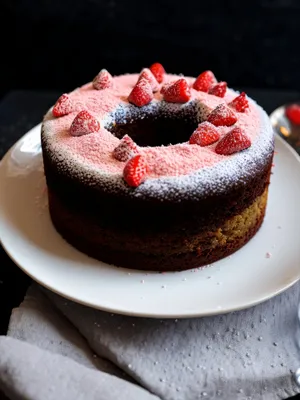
(222, 116)
(84, 123)
(158, 71)
(126, 149)
(204, 81)
(240, 103)
(135, 171)
(103, 80)
(63, 106)
(236, 140)
(177, 92)
(141, 94)
(147, 74)
(205, 135)
(293, 113)
(165, 87)
(219, 89)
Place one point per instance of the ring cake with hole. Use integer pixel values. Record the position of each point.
(156, 171)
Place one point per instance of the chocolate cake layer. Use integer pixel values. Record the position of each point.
(170, 252)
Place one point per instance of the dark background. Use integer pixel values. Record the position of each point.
(58, 45)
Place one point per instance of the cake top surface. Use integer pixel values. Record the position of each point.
(175, 168)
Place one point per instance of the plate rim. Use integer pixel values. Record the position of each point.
(121, 311)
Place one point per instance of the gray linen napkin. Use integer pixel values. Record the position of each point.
(249, 354)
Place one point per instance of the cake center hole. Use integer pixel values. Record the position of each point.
(156, 130)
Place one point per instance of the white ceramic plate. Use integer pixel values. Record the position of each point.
(246, 278)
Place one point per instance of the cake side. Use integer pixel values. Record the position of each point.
(158, 251)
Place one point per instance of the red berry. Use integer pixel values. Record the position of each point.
(205, 135)
(63, 106)
(240, 103)
(219, 89)
(222, 116)
(293, 113)
(103, 80)
(235, 140)
(158, 71)
(84, 123)
(204, 81)
(141, 94)
(126, 149)
(177, 92)
(165, 87)
(147, 74)
(135, 171)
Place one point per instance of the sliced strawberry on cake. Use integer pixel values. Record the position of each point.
(103, 80)
(177, 92)
(240, 103)
(222, 116)
(236, 140)
(205, 134)
(126, 149)
(158, 71)
(219, 89)
(84, 123)
(147, 74)
(204, 81)
(135, 171)
(63, 106)
(141, 94)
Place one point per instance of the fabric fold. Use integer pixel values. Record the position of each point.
(182, 359)
(242, 355)
(28, 372)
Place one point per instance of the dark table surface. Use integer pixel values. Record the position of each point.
(22, 110)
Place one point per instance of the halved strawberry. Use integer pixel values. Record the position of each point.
(293, 113)
(240, 103)
(165, 87)
(205, 134)
(103, 80)
(236, 140)
(219, 89)
(204, 81)
(135, 171)
(84, 123)
(177, 92)
(63, 106)
(222, 116)
(147, 74)
(158, 71)
(126, 149)
(141, 94)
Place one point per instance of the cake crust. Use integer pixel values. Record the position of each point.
(166, 253)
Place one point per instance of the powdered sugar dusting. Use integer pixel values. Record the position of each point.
(97, 148)
(173, 170)
(178, 160)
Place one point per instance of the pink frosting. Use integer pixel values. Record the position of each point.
(96, 149)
